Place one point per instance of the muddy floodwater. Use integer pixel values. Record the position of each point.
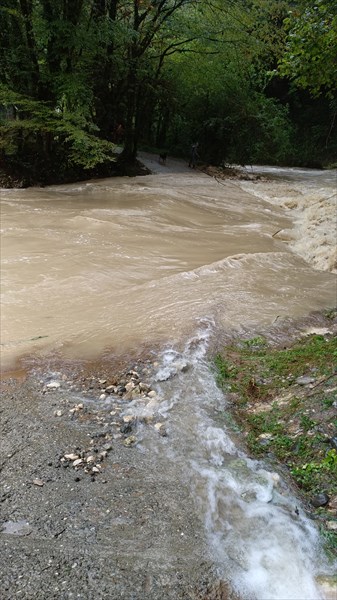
(168, 262)
(115, 262)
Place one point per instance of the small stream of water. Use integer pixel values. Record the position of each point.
(259, 535)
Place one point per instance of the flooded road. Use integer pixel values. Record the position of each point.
(168, 261)
(116, 262)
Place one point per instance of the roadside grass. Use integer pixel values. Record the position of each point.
(284, 401)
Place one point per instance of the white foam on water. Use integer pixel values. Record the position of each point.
(258, 540)
(259, 535)
(310, 198)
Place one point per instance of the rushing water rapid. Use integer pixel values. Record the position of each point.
(115, 262)
(166, 258)
(311, 197)
(259, 535)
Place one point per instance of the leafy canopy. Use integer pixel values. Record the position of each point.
(310, 56)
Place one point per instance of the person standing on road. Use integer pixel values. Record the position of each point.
(194, 155)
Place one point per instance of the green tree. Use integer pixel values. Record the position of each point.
(310, 56)
(49, 51)
(309, 62)
(219, 88)
(169, 71)
(92, 63)
(150, 23)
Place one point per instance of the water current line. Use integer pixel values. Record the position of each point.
(260, 537)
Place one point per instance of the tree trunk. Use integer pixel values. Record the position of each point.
(129, 153)
(26, 11)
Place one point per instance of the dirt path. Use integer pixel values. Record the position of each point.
(124, 529)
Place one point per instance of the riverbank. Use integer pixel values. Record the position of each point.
(282, 396)
(88, 510)
(11, 177)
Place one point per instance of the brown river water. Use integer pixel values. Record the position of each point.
(115, 262)
(168, 260)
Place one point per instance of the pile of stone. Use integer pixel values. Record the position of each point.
(116, 404)
(129, 387)
(90, 464)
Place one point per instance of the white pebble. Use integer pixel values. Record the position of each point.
(53, 385)
(38, 482)
(71, 456)
(128, 418)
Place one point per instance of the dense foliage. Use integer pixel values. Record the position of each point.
(251, 80)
